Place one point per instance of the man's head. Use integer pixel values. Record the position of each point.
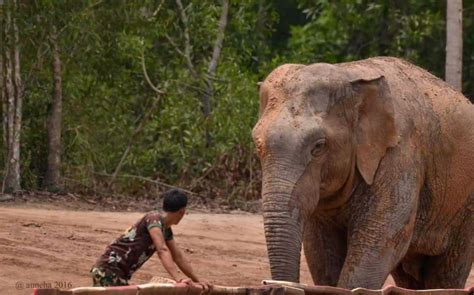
(174, 204)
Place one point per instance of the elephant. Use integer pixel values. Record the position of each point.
(369, 167)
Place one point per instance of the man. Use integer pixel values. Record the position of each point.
(151, 233)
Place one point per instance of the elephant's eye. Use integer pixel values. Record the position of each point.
(319, 147)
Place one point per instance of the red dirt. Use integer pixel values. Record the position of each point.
(57, 247)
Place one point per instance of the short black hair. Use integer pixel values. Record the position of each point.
(174, 199)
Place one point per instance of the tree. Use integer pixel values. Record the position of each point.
(209, 76)
(52, 179)
(454, 43)
(216, 53)
(205, 56)
(2, 86)
(13, 97)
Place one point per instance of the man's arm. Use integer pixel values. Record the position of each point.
(164, 252)
(181, 261)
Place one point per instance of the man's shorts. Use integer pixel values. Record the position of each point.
(105, 278)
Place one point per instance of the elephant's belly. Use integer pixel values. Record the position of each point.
(431, 242)
(440, 215)
(434, 233)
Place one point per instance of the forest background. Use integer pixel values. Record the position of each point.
(128, 98)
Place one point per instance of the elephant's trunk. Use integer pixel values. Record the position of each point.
(283, 230)
(283, 237)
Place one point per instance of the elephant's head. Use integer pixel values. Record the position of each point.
(319, 128)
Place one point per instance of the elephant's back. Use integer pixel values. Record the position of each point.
(421, 100)
(409, 80)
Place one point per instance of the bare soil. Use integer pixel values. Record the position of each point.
(49, 245)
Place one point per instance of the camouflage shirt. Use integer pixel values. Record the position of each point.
(127, 253)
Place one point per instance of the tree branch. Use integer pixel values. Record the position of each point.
(216, 52)
(174, 45)
(219, 39)
(187, 40)
(134, 135)
(150, 180)
(147, 78)
(78, 15)
(158, 9)
(142, 123)
(38, 62)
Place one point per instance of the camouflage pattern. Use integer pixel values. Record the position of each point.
(128, 252)
(104, 278)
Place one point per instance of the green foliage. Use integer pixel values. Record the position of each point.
(340, 31)
(106, 95)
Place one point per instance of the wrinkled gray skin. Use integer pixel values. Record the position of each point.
(370, 166)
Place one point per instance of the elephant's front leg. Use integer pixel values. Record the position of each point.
(325, 249)
(379, 230)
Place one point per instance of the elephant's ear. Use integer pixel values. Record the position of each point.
(375, 124)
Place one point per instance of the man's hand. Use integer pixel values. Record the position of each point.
(205, 286)
(186, 281)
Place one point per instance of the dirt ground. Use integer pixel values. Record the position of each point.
(57, 247)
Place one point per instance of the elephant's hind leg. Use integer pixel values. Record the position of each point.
(451, 269)
(325, 251)
(409, 272)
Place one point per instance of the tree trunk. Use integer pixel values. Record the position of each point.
(2, 90)
(14, 94)
(212, 69)
(216, 53)
(8, 82)
(454, 40)
(53, 175)
(18, 103)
